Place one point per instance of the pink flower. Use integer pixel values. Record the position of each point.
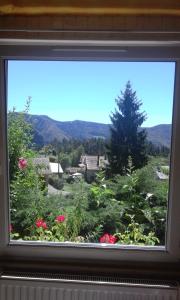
(10, 228)
(40, 223)
(22, 163)
(108, 238)
(60, 219)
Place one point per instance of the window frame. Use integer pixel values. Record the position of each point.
(92, 50)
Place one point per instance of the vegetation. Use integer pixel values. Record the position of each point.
(19, 138)
(126, 207)
(126, 138)
(46, 130)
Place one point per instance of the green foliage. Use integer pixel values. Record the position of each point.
(155, 150)
(134, 235)
(148, 183)
(64, 160)
(77, 215)
(146, 200)
(94, 146)
(53, 159)
(19, 137)
(93, 236)
(56, 181)
(56, 233)
(93, 210)
(131, 207)
(126, 138)
(27, 188)
(75, 156)
(27, 199)
(165, 170)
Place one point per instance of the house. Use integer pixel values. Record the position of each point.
(92, 164)
(45, 167)
(72, 170)
(56, 168)
(42, 165)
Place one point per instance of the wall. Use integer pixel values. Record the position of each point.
(69, 18)
(88, 20)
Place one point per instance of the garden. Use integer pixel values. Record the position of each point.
(125, 209)
(125, 203)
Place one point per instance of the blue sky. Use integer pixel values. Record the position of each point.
(67, 91)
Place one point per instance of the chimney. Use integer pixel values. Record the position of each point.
(98, 160)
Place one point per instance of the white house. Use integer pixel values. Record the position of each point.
(55, 168)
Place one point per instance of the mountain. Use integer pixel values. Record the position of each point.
(160, 134)
(47, 129)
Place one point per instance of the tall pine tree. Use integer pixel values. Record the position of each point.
(127, 139)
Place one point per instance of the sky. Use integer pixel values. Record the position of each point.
(67, 90)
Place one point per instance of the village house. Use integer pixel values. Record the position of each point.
(92, 164)
(45, 167)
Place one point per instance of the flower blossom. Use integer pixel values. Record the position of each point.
(108, 238)
(60, 219)
(40, 223)
(22, 163)
(10, 228)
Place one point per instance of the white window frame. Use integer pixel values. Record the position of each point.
(92, 50)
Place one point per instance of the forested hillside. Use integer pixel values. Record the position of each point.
(47, 129)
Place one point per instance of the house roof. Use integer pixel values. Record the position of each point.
(42, 164)
(93, 162)
(56, 168)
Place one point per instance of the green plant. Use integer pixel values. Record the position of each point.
(56, 181)
(19, 137)
(134, 235)
(27, 198)
(126, 139)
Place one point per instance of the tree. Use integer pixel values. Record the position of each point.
(127, 139)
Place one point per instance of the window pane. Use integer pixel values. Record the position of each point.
(89, 151)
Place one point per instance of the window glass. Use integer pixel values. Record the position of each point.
(89, 151)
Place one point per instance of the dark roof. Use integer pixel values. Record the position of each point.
(93, 162)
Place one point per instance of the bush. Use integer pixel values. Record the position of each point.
(56, 182)
(52, 159)
(26, 197)
(19, 138)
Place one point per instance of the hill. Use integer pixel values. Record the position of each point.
(160, 134)
(47, 129)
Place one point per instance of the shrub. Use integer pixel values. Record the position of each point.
(56, 182)
(135, 235)
(52, 159)
(19, 138)
(26, 197)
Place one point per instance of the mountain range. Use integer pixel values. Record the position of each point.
(46, 130)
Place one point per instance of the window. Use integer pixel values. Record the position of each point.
(44, 56)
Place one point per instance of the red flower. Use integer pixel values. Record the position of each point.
(22, 163)
(108, 238)
(60, 218)
(41, 223)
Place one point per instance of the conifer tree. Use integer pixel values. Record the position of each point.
(127, 139)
